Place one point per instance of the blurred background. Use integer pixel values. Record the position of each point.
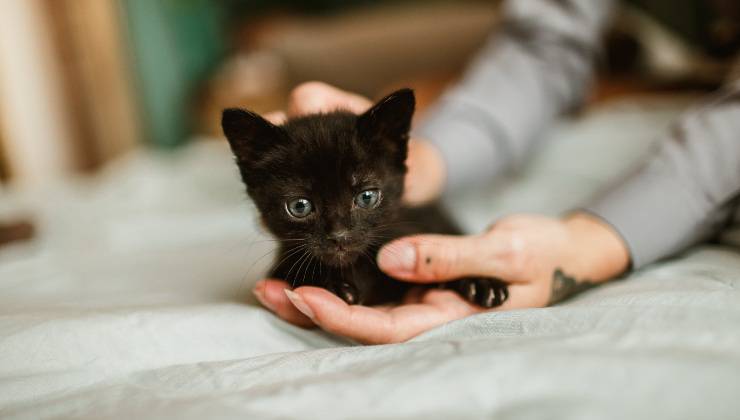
(84, 82)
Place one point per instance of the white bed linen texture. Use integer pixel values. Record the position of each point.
(134, 302)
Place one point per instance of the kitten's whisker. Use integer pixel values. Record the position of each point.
(252, 242)
(287, 276)
(307, 258)
(286, 257)
(289, 254)
(257, 241)
(243, 281)
(247, 242)
(366, 254)
(396, 224)
(293, 282)
(313, 271)
(273, 249)
(381, 237)
(298, 272)
(305, 273)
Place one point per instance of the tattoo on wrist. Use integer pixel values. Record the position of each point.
(564, 286)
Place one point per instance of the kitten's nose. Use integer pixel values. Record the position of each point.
(339, 237)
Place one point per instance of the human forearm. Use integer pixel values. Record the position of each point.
(682, 193)
(597, 252)
(537, 66)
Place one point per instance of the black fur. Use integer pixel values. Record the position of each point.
(329, 159)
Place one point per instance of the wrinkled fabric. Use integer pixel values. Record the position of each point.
(134, 303)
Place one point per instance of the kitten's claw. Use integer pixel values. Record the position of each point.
(485, 292)
(490, 297)
(470, 291)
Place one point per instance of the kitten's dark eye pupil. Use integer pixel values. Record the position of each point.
(367, 199)
(299, 207)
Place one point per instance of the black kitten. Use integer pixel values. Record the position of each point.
(329, 188)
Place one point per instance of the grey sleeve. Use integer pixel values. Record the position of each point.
(685, 191)
(539, 65)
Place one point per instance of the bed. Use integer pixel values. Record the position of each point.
(134, 302)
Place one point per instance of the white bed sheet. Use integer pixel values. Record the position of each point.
(134, 303)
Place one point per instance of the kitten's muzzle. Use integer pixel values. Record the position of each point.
(340, 248)
(340, 239)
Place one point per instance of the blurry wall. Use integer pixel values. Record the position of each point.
(367, 49)
(196, 57)
(66, 98)
(35, 134)
(84, 81)
(174, 46)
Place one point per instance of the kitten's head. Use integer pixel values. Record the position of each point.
(331, 182)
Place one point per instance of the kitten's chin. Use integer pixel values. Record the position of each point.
(340, 258)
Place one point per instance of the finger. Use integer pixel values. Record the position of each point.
(370, 325)
(455, 305)
(437, 307)
(317, 97)
(270, 294)
(276, 117)
(361, 323)
(432, 258)
(425, 173)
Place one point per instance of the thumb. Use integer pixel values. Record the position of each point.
(431, 258)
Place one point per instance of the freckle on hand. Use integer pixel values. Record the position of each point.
(429, 260)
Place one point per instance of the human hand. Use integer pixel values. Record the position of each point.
(426, 170)
(544, 260)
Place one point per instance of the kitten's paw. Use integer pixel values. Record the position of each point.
(347, 292)
(485, 292)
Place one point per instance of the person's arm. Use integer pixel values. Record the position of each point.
(684, 192)
(537, 66)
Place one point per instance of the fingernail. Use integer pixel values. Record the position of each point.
(259, 293)
(299, 303)
(399, 256)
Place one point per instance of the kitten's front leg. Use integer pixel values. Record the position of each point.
(483, 291)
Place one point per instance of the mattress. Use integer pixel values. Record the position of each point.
(134, 302)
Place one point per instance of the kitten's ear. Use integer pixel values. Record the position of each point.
(390, 119)
(249, 134)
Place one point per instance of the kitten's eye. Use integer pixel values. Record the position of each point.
(367, 199)
(299, 208)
